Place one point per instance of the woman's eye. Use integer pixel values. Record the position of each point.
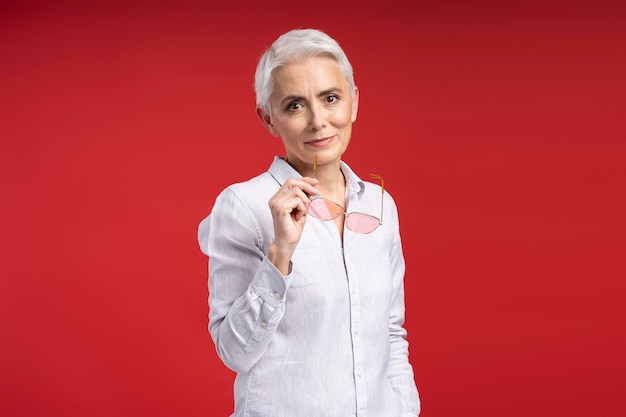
(294, 106)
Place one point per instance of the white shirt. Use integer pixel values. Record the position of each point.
(327, 340)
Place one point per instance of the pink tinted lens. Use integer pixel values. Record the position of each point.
(362, 223)
(323, 209)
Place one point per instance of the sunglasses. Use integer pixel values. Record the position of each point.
(324, 209)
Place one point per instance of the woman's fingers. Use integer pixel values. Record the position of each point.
(289, 207)
(294, 195)
(304, 184)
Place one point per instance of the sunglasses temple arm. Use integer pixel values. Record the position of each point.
(382, 198)
(382, 195)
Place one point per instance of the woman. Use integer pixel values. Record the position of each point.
(307, 301)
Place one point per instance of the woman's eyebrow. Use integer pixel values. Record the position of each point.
(330, 91)
(290, 98)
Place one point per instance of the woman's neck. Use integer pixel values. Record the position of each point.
(332, 183)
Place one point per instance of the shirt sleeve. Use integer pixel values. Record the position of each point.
(400, 373)
(246, 291)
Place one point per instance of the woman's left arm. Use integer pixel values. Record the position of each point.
(400, 373)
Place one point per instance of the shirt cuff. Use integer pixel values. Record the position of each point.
(270, 284)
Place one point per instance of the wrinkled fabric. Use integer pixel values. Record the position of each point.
(328, 338)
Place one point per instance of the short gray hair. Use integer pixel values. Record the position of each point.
(296, 45)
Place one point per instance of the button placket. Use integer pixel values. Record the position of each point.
(357, 342)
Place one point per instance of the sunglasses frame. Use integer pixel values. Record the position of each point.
(343, 209)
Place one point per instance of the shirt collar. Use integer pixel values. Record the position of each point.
(281, 171)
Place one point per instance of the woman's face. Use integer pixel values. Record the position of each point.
(312, 111)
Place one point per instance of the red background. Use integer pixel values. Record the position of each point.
(499, 129)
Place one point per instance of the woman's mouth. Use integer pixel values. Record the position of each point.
(320, 142)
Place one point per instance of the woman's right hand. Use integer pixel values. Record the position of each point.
(289, 207)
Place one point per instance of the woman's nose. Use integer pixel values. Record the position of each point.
(316, 118)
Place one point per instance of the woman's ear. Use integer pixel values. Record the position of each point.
(266, 119)
(355, 104)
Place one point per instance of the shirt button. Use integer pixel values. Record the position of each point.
(263, 323)
(361, 413)
(277, 295)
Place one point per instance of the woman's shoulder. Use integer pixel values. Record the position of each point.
(257, 184)
(252, 193)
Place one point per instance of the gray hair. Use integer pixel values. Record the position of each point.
(293, 46)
